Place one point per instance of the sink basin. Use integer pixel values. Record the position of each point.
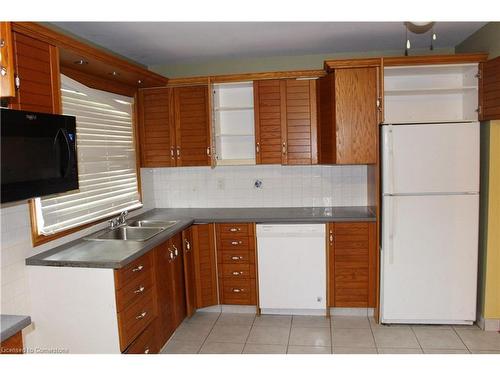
(152, 224)
(127, 233)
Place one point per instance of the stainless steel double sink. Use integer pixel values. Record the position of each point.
(139, 230)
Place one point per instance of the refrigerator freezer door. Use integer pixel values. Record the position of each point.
(430, 158)
(429, 259)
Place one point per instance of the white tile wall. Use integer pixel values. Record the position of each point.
(15, 247)
(293, 186)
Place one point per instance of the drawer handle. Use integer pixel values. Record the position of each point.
(176, 251)
(235, 243)
(142, 316)
(146, 351)
(237, 273)
(236, 290)
(236, 258)
(137, 269)
(234, 229)
(188, 245)
(140, 290)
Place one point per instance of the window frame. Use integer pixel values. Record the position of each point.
(40, 239)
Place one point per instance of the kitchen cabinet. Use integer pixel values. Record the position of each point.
(169, 271)
(205, 265)
(352, 264)
(489, 90)
(174, 127)
(157, 129)
(6, 61)
(285, 121)
(37, 77)
(350, 103)
(236, 263)
(12, 345)
(189, 277)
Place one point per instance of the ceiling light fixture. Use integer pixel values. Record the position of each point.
(419, 28)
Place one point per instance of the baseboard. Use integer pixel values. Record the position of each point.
(352, 311)
(488, 324)
(233, 309)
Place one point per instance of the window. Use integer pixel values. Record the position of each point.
(106, 161)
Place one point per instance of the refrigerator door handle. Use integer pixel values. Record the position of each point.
(392, 227)
(390, 144)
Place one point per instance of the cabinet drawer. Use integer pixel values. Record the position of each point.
(232, 230)
(351, 228)
(133, 291)
(235, 242)
(145, 343)
(133, 271)
(134, 318)
(237, 256)
(238, 271)
(238, 292)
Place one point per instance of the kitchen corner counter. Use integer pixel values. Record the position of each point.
(117, 254)
(12, 324)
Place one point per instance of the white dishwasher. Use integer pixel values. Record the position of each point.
(292, 268)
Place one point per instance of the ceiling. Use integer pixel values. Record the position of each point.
(157, 43)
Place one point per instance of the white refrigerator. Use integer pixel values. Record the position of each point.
(430, 215)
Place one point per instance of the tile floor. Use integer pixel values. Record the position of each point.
(215, 333)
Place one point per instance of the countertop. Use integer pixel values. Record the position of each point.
(12, 324)
(117, 254)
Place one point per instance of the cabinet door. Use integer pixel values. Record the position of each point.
(352, 264)
(489, 90)
(356, 115)
(270, 119)
(192, 126)
(299, 139)
(37, 69)
(178, 280)
(205, 265)
(165, 296)
(327, 151)
(189, 276)
(156, 127)
(6, 61)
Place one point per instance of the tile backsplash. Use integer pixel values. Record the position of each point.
(281, 186)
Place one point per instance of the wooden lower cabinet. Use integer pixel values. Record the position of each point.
(236, 263)
(189, 267)
(171, 296)
(12, 345)
(205, 271)
(352, 264)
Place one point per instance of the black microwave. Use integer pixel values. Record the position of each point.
(38, 154)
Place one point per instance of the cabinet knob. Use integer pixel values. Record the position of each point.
(236, 290)
(236, 258)
(171, 254)
(138, 269)
(283, 148)
(188, 245)
(257, 147)
(142, 315)
(235, 243)
(178, 152)
(172, 153)
(234, 229)
(140, 290)
(3, 71)
(208, 151)
(237, 273)
(146, 351)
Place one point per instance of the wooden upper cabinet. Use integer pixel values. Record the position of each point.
(285, 121)
(156, 129)
(349, 115)
(6, 61)
(270, 119)
(489, 90)
(192, 126)
(37, 72)
(174, 126)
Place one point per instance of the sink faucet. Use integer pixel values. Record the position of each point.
(117, 221)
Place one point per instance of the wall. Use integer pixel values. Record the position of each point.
(297, 186)
(486, 39)
(276, 63)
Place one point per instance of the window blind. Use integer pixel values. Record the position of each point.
(106, 160)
